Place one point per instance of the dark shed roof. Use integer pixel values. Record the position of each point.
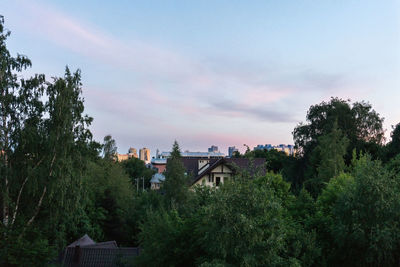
(95, 256)
(85, 252)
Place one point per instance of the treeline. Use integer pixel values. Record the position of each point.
(336, 203)
(342, 208)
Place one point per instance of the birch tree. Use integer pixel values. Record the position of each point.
(43, 140)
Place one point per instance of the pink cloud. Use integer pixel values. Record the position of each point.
(175, 90)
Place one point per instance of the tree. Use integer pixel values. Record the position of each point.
(358, 217)
(367, 216)
(11, 104)
(358, 122)
(44, 138)
(109, 148)
(176, 181)
(143, 202)
(136, 169)
(393, 147)
(275, 160)
(245, 223)
(107, 196)
(166, 240)
(327, 160)
(323, 220)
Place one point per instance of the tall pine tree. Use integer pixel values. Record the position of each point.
(176, 181)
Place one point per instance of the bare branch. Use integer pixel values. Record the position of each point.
(37, 207)
(20, 193)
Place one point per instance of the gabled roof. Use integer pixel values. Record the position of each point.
(240, 163)
(157, 178)
(83, 241)
(192, 165)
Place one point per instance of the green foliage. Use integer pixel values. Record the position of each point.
(137, 169)
(327, 160)
(275, 160)
(276, 183)
(31, 250)
(109, 195)
(303, 208)
(394, 165)
(323, 219)
(246, 224)
(143, 202)
(359, 123)
(44, 142)
(176, 182)
(166, 240)
(393, 147)
(109, 148)
(367, 216)
(243, 226)
(332, 148)
(331, 193)
(242, 223)
(49, 193)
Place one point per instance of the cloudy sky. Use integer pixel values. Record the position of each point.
(212, 72)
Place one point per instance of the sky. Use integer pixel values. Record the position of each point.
(204, 73)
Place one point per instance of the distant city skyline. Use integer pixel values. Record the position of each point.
(211, 149)
(226, 73)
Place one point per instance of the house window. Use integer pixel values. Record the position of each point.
(217, 181)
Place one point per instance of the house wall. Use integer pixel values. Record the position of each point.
(221, 171)
(155, 186)
(203, 163)
(122, 157)
(160, 167)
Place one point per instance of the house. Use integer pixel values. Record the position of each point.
(85, 252)
(159, 164)
(215, 171)
(156, 181)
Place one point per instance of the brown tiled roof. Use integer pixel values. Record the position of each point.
(192, 165)
(243, 163)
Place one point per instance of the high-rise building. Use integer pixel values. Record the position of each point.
(232, 150)
(213, 149)
(132, 153)
(288, 149)
(144, 154)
